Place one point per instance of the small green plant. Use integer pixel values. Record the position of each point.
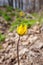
(9, 9)
(19, 21)
(2, 37)
(12, 14)
(13, 26)
(17, 14)
(6, 16)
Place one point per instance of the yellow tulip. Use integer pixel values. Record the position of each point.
(22, 14)
(22, 29)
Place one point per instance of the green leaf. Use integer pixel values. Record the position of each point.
(2, 37)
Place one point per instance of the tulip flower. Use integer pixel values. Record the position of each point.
(22, 29)
(21, 14)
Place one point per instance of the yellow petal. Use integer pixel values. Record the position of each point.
(22, 13)
(22, 29)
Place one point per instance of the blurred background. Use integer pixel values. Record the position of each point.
(26, 5)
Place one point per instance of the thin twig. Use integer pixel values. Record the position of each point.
(18, 51)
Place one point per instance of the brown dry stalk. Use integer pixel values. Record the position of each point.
(18, 51)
